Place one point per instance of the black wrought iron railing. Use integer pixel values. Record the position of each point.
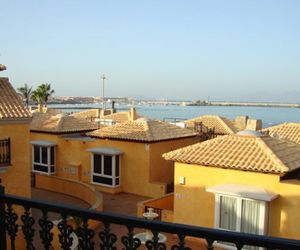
(5, 152)
(13, 223)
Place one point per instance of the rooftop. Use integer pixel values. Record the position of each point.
(142, 129)
(115, 117)
(60, 123)
(86, 114)
(119, 116)
(221, 124)
(243, 152)
(286, 131)
(11, 106)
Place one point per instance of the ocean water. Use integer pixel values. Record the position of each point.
(269, 115)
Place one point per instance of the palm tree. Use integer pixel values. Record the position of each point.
(38, 96)
(45, 88)
(26, 92)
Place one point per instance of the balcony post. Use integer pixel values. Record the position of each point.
(2, 220)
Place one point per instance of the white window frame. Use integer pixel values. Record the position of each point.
(263, 216)
(112, 176)
(48, 165)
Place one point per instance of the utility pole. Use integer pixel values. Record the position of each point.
(103, 102)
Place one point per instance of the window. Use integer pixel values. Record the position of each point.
(241, 215)
(106, 170)
(43, 159)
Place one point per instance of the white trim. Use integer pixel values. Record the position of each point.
(43, 143)
(263, 216)
(217, 210)
(243, 191)
(113, 176)
(105, 151)
(48, 165)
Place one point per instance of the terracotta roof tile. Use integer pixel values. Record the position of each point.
(142, 130)
(11, 106)
(261, 154)
(286, 131)
(119, 116)
(60, 123)
(115, 117)
(221, 124)
(86, 114)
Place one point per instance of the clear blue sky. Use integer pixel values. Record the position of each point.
(224, 50)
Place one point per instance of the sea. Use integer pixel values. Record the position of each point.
(270, 116)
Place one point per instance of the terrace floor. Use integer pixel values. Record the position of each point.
(123, 203)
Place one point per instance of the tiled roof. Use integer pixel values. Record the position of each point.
(119, 116)
(286, 131)
(260, 154)
(142, 130)
(60, 123)
(52, 111)
(11, 106)
(86, 114)
(93, 113)
(221, 124)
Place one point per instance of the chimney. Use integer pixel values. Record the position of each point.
(253, 124)
(241, 121)
(113, 107)
(102, 113)
(133, 114)
(98, 113)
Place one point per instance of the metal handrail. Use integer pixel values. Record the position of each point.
(211, 235)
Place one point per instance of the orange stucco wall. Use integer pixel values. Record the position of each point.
(74, 162)
(16, 178)
(194, 205)
(73, 188)
(165, 203)
(160, 169)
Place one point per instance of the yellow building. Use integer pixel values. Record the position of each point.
(14, 141)
(246, 182)
(288, 131)
(126, 157)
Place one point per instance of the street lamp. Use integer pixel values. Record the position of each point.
(103, 102)
(2, 67)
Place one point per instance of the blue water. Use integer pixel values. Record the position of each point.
(270, 116)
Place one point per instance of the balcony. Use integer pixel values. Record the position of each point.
(163, 206)
(5, 154)
(17, 222)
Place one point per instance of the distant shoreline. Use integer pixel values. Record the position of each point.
(248, 104)
(221, 104)
(128, 101)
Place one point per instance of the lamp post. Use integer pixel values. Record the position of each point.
(2, 67)
(103, 102)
